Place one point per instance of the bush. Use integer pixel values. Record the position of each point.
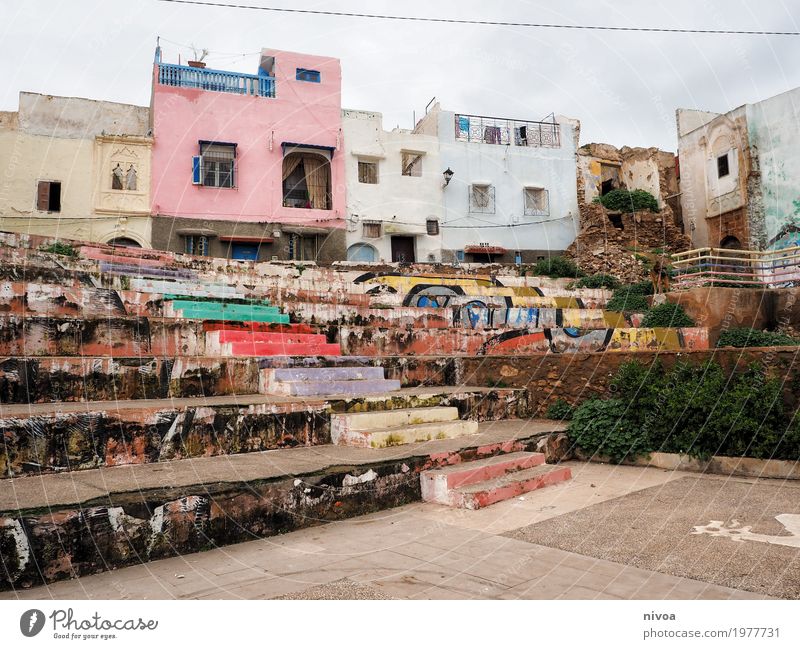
(631, 297)
(667, 315)
(621, 200)
(560, 410)
(557, 267)
(747, 337)
(60, 248)
(600, 427)
(600, 280)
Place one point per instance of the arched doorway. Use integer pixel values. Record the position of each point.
(124, 242)
(306, 181)
(362, 252)
(730, 243)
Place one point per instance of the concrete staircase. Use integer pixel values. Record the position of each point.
(472, 485)
(401, 426)
(326, 381)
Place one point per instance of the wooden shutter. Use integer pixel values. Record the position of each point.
(43, 196)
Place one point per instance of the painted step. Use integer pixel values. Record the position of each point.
(438, 484)
(267, 327)
(280, 318)
(509, 486)
(397, 435)
(280, 349)
(343, 425)
(233, 336)
(328, 374)
(329, 388)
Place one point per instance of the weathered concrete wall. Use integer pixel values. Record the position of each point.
(402, 204)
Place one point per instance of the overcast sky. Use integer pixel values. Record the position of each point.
(624, 88)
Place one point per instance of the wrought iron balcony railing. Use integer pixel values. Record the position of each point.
(184, 76)
(491, 130)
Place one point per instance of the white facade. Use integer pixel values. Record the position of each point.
(513, 193)
(390, 213)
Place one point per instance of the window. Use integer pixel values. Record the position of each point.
(48, 196)
(308, 75)
(362, 252)
(302, 248)
(123, 180)
(723, 166)
(412, 164)
(481, 199)
(371, 230)
(537, 202)
(217, 164)
(432, 226)
(196, 245)
(368, 172)
(307, 181)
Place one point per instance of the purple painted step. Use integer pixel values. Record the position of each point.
(328, 374)
(140, 271)
(352, 388)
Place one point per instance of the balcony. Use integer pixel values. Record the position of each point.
(491, 130)
(183, 76)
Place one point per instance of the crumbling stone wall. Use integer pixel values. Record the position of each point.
(608, 242)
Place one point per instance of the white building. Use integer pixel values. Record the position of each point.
(513, 192)
(394, 191)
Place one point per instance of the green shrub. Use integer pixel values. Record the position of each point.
(667, 315)
(747, 337)
(560, 410)
(600, 280)
(631, 297)
(622, 200)
(60, 248)
(557, 267)
(600, 427)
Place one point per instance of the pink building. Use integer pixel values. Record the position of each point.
(249, 166)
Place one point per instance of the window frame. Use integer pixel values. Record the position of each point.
(727, 165)
(191, 242)
(371, 163)
(432, 227)
(526, 211)
(412, 169)
(490, 207)
(218, 174)
(50, 208)
(308, 75)
(366, 224)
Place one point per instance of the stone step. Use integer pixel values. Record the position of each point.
(330, 388)
(238, 336)
(327, 373)
(438, 484)
(509, 486)
(408, 434)
(281, 349)
(357, 422)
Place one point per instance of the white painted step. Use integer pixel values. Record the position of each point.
(364, 421)
(397, 435)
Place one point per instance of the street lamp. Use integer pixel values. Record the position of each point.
(448, 176)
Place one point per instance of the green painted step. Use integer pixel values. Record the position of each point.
(223, 306)
(206, 300)
(278, 318)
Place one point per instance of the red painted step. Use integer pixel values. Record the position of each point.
(436, 483)
(227, 325)
(509, 486)
(287, 349)
(228, 336)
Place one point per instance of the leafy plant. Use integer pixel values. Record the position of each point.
(599, 280)
(748, 337)
(560, 410)
(557, 267)
(599, 427)
(622, 200)
(667, 315)
(631, 297)
(60, 248)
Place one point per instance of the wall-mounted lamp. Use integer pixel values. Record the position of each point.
(448, 176)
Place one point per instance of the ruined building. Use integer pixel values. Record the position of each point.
(614, 242)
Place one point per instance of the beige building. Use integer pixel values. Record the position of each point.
(76, 169)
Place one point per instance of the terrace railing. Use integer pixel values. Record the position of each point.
(491, 130)
(745, 268)
(184, 76)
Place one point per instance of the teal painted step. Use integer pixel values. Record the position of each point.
(224, 307)
(205, 300)
(279, 318)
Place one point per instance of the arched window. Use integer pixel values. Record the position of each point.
(124, 242)
(117, 178)
(306, 181)
(130, 179)
(362, 252)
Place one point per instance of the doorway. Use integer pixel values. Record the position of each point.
(403, 249)
(244, 251)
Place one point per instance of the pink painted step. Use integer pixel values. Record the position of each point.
(284, 349)
(481, 483)
(233, 336)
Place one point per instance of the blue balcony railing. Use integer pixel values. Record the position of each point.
(183, 76)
